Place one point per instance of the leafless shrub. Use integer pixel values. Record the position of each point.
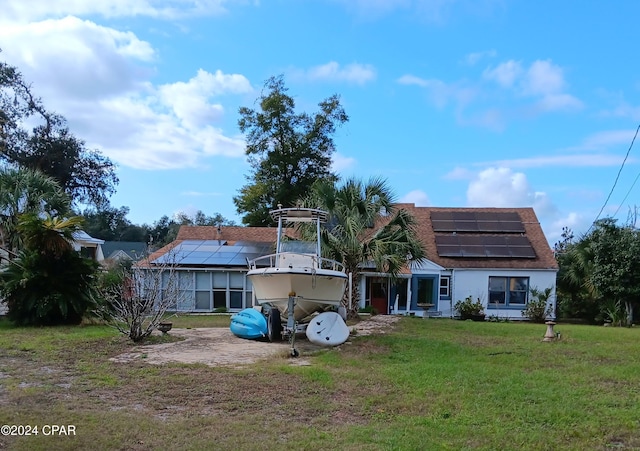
(142, 296)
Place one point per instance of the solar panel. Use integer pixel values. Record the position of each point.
(212, 253)
(479, 221)
(483, 246)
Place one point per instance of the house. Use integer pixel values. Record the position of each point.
(123, 251)
(88, 246)
(212, 264)
(493, 254)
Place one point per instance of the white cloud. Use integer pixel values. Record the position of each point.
(98, 78)
(473, 58)
(417, 197)
(190, 102)
(334, 72)
(501, 187)
(607, 139)
(340, 162)
(504, 74)
(577, 222)
(24, 11)
(459, 173)
(542, 80)
(80, 59)
(573, 160)
(442, 93)
(624, 109)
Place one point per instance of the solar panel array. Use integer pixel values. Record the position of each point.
(490, 246)
(480, 221)
(215, 253)
(481, 234)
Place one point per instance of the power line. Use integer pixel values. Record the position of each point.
(616, 180)
(628, 192)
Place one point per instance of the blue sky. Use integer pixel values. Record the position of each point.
(456, 102)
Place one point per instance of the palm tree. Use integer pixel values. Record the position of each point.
(48, 235)
(365, 227)
(48, 283)
(26, 191)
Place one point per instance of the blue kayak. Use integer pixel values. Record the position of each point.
(249, 323)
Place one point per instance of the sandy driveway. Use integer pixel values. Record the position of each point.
(218, 346)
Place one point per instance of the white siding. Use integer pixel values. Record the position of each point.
(475, 283)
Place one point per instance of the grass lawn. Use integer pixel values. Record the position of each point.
(430, 384)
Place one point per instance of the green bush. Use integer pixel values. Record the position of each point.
(539, 308)
(469, 307)
(43, 289)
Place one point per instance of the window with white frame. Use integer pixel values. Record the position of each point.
(506, 291)
(445, 287)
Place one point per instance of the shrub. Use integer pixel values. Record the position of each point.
(43, 289)
(469, 307)
(539, 308)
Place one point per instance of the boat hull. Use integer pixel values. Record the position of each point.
(314, 290)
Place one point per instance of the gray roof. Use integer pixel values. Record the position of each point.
(134, 250)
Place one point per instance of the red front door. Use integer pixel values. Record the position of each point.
(378, 289)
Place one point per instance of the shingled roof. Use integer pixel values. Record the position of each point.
(544, 258)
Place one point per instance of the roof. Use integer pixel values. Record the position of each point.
(82, 237)
(133, 249)
(217, 239)
(541, 258)
(544, 258)
(230, 234)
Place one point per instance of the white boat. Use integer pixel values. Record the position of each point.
(297, 275)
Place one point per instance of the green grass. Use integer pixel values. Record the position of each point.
(430, 384)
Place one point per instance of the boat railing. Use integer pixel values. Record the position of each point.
(285, 259)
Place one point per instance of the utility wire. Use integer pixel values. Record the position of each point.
(628, 192)
(616, 180)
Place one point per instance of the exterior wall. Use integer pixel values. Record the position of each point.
(475, 283)
(460, 284)
(203, 290)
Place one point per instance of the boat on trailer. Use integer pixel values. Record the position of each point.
(296, 281)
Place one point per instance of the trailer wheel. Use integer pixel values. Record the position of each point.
(274, 326)
(294, 353)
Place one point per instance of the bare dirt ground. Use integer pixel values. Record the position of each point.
(218, 346)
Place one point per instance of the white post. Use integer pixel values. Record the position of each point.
(350, 289)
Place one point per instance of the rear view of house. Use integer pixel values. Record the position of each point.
(493, 254)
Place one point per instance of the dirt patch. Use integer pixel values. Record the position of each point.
(218, 346)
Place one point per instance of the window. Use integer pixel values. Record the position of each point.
(219, 290)
(445, 282)
(203, 291)
(236, 281)
(508, 291)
